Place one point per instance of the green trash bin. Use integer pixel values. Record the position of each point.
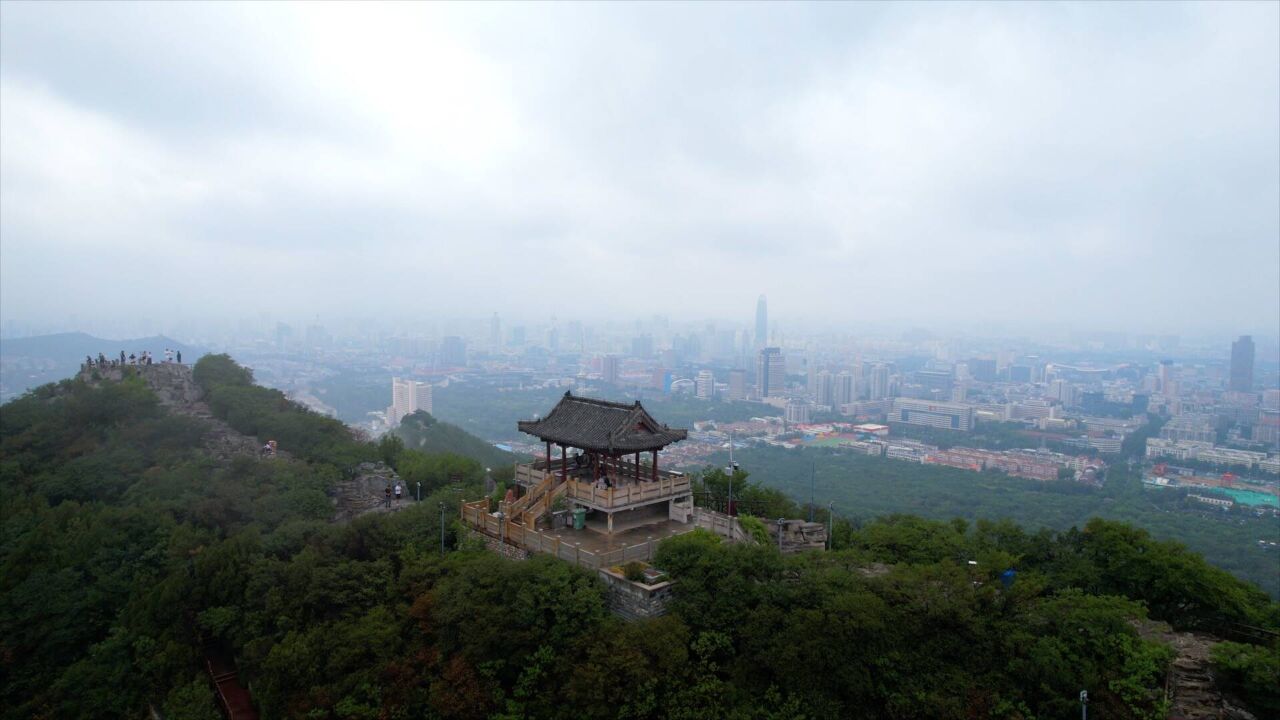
(579, 518)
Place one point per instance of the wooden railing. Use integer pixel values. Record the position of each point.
(476, 516)
(630, 493)
(620, 470)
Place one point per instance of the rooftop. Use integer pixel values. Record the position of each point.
(602, 426)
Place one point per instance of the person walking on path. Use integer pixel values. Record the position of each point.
(399, 491)
(387, 502)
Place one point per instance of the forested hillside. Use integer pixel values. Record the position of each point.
(128, 551)
(424, 433)
(866, 487)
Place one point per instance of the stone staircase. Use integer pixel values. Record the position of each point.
(366, 492)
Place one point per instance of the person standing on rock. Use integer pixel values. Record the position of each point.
(179, 357)
(387, 503)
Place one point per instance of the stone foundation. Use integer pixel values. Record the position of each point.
(635, 601)
(506, 550)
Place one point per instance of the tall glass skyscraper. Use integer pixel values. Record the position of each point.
(1242, 364)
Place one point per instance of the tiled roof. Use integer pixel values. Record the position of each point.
(601, 425)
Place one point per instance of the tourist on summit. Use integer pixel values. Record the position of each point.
(387, 502)
(121, 357)
(133, 359)
(398, 492)
(179, 357)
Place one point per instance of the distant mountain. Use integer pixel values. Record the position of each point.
(30, 362)
(422, 432)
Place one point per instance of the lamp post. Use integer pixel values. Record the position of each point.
(781, 522)
(1084, 705)
(441, 526)
(419, 492)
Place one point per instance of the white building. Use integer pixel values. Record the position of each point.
(705, 385)
(407, 397)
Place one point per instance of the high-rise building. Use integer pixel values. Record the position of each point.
(825, 389)
(407, 397)
(762, 323)
(705, 385)
(737, 384)
(1242, 364)
(797, 411)
(879, 382)
(609, 369)
(846, 388)
(453, 352)
(771, 372)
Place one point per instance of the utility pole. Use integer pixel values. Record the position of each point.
(441, 526)
(781, 522)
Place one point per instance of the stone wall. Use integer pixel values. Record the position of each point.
(634, 601)
(506, 550)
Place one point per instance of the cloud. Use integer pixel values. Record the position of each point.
(942, 163)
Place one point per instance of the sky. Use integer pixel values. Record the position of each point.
(1098, 166)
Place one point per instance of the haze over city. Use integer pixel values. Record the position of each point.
(990, 167)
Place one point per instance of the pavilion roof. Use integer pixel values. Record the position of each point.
(602, 426)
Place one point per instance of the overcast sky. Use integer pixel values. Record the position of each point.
(1096, 165)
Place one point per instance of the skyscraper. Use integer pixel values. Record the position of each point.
(762, 323)
(825, 388)
(1242, 364)
(705, 385)
(845, 388)
(771, 372)
(609, 369)
(879, 382)
(407, 397)
(737, 384)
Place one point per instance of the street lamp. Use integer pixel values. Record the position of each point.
(831, 513)
(441, 526)
(781, 522)
(419, 491)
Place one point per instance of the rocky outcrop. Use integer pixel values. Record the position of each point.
(178, 392)
(367, 492)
